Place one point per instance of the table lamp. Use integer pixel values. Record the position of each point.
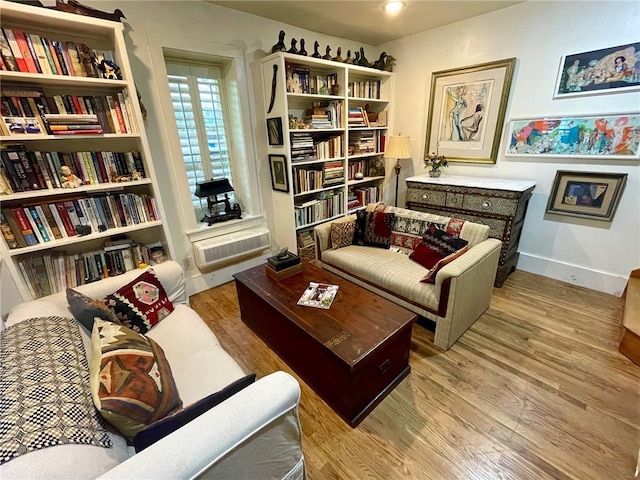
(398, 147)
(210, 189)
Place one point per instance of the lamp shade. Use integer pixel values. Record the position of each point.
(398, 147)
(216, 186)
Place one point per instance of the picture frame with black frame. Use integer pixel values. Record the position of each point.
(592, 195)
(279, 176)
(274, 131)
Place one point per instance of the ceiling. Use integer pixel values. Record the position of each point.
(364, 21)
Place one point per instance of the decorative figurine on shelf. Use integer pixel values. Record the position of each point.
(338, 57)
(282, 253)
(356, 59)
(109, 70)
(69, 179)
(327, 54)
(380, 63)
(280, 46)
(316, 54)
(359, 175)
(73, 6)
(349, 60)
(293, 48)
(389, 63)
(302, 50)
(88, 60)
(363, 60)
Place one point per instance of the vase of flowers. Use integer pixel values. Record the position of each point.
(436, 163)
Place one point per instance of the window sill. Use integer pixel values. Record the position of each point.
(224, 228)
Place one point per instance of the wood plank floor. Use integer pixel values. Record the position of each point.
(536, 389)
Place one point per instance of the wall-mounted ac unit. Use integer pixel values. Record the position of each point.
(213, 251)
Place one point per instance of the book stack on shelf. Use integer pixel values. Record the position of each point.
(23, 170)
(330, 148)
(31, 53)
(54, 272)
(357, 117)
(361, 142)
(333, 173)
(281, 267)
(327, 205)
(302, 147)
(74, 124)
(366, 195)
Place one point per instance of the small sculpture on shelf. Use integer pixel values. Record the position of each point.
(349, 60)
(302, 50)
(73, 6)
(293, 48)
(69, 179)
(109, 70)
(280, 46)
(389, 63)
(363, 60)
(380, 63)
(356, 58)
(338, 57)
(316, 54)
(327, 55)
(88, 60)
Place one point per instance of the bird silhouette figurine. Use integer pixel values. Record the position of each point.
(316, 54)
(280, 46)
(356, 58)
(338, 57)
(349, 60)
(379, 64)
(293, 48)
(389, 63)
(302, 50)
(363, 60)
(73, 6)
(327, 55)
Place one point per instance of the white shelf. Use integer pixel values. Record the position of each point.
(102, 187)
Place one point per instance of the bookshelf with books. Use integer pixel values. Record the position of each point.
(334, 121)
(76, 174)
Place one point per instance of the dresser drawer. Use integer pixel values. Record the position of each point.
(489, 204)
(426, 197)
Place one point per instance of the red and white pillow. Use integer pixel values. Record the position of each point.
(437, 249)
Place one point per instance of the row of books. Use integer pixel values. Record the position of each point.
(366, 141)
(315, 210)
(300, 80)
(48, 222)
(31, 53)
(366, 89)
(364, 196)
(307, 179)
(28, 110)
(22, 170)
(333, 173)
(54, 272)
(357, 117)
(305, 147)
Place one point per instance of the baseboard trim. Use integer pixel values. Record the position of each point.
(565, 272)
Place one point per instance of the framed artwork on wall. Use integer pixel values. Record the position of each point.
(608, 70)
(466, 111)
(586, 194)
(612, 136)
(279, 177)
(274, 131)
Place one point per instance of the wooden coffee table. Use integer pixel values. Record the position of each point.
(352, 354)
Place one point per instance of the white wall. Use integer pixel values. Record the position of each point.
(594, 254)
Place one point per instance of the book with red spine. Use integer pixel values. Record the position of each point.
(15, 50)
(33, 52)
(66, 219)
(116, 114)
(24, 49)
(25, 226)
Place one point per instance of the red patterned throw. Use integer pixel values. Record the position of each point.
(373, 229)
(437, 249)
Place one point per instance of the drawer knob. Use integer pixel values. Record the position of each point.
(425, 196)
(486, 204)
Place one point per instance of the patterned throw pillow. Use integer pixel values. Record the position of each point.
(437, 249)
(373, 229)
(171, 423)
(342, 234)
(140, 304)
(131, 381)
(85, 309)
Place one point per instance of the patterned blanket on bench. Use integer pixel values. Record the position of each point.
(45, 398)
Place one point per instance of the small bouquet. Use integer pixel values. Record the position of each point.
(435, 162)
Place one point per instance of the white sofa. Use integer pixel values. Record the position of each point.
(254, 434)
(463, 288)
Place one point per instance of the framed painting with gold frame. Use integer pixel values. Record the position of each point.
(592, 195)
(467, 109)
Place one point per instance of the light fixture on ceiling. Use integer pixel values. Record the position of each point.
(394, 6)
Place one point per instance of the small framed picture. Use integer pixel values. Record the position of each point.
(274, 131)
(592, 195)
(279, 177)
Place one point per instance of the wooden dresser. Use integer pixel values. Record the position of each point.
(499, 203)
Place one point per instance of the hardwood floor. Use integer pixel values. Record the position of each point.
(536, 389)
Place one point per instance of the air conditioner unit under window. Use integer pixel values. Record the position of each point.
(222, 249)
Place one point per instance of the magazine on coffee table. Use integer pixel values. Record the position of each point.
(318, 295)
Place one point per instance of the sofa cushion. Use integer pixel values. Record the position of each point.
(85, 309)
(141, 303)
(131, 381)
(373, 229)
(436, 249)
(342, 234)
(171, 423)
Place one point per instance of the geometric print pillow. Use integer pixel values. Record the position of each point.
(131, 381)
(342, 234)
(85, 309)
(437, 249)
(141, 303)
(373, 229)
